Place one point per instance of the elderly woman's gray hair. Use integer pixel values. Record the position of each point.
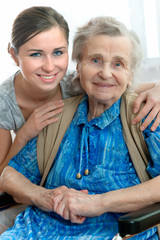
(107, 26)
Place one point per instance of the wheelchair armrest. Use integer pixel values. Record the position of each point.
(6, 201)
(139, 221)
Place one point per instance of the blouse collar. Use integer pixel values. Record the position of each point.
(108, 116)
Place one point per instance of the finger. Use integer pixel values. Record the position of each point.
(76, 219)
(59, 190)
(48, 107)
(149, 119)
(50, 115)
(39, 124)
(144, 111)
(60, 209)
(66, 213)
(56, 201)
(156, 123)
(84, 191)
(57, 195)
(137, 103)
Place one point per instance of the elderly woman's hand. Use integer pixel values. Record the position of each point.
(76, 205)
(152, 106)
(44, 198)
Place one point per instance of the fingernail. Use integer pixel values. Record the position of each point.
(133, 122)
(60, 101)
(142, 128)
(153, 129)
(135, 110)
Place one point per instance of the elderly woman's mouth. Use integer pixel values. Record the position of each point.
(108, 85)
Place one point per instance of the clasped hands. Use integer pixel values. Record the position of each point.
(70, 204)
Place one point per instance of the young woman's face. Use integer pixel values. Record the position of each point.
(43, 60)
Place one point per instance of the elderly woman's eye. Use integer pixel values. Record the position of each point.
(118, 64)
(96, 60)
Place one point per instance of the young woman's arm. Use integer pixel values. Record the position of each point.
(5, 143)
(7, 148)
(40, 118)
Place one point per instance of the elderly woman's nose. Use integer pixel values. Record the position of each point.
(106, 71)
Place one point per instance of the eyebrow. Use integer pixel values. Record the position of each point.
(121, 59)
(40, 50)
(97, 55)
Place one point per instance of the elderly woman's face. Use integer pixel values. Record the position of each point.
(105, 68)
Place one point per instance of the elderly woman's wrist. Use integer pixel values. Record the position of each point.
(106, 202)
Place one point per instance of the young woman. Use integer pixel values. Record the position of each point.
(31, 98)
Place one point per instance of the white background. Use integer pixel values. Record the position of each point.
(76, 12)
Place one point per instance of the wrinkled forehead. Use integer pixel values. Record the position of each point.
(108, 48)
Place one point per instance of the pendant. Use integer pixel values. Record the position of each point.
(79, 176)
(86, 172)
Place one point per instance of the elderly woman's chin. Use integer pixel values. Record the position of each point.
(106, 98)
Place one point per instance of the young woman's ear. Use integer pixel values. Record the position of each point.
(14, 55)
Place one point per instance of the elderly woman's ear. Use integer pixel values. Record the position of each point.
(129, 83)
(77, 68)
(130, 80)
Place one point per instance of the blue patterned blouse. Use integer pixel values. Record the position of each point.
(99, 146)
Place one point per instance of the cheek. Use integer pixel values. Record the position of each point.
(65, 62)
(28, 65)
(65, 58)
(86, 85)
(26, 69)
(124, 79)
(83, 79)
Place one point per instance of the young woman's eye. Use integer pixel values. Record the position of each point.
(35, 54)
(57, 53)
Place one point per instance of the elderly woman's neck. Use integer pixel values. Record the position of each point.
(96, 109)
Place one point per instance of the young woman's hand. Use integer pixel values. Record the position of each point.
(40, 118)
(151, 98)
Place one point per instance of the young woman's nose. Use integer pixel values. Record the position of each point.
(105, 71)
(48, 64)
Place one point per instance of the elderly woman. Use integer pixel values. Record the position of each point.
(94, 178)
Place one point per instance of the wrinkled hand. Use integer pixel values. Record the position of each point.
(44, 198)
(76, 205)
(152, 104)
(40, 118)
